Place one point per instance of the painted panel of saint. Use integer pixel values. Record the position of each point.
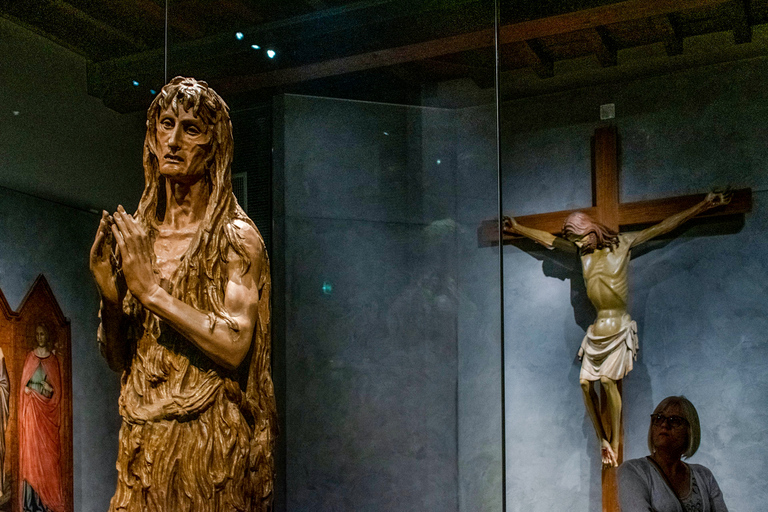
(39, 423)
(5, 402)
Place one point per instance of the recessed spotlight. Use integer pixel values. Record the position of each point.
(239, 36)
(271, 54)
(256, 47)
(135, 83)
(438, 161)
(152, 91)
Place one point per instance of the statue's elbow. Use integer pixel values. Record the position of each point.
(234, 357)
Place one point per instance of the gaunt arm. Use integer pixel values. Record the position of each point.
(712, 200)
(224, 345)
(548, 240)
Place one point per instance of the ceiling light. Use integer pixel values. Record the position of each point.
(135, 83)
(256, 47)
(239, 35)
(271, 54)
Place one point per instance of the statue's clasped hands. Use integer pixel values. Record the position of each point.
(135, 251)
(104, 263)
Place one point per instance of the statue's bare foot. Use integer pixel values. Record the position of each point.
(608, 454)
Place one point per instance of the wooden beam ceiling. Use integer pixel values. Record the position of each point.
(586, 20)
(321, 41)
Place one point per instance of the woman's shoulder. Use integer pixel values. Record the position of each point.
(637, 467)
(642, 462)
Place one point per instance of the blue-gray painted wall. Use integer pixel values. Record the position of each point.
(56, 141)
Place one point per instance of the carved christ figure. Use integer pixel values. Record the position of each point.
(185, 316)
(610, 344)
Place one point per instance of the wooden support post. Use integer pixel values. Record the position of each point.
(606, 176)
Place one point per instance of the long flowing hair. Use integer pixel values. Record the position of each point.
(580, 224)
(201, 277)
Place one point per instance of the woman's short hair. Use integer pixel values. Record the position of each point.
(691, 416)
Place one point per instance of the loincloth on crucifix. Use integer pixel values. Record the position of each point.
(609, 356)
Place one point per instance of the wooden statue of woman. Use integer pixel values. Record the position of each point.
(185, 316)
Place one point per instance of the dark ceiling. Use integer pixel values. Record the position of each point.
(373, 49)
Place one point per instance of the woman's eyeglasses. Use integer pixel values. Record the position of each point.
(672, 421)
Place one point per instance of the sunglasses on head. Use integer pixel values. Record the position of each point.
(672, 421)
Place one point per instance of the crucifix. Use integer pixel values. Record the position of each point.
(611, 342)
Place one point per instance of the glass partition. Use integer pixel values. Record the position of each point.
(385, 311)
(391, 312)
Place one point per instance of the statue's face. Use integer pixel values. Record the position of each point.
(41, 335)
(588, 242)
(183, 144)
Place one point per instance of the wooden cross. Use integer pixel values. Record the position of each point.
(606, 207)
(608, 210)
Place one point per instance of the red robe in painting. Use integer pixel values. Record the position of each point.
(39, 442)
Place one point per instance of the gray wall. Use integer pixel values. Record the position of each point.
(65, 146)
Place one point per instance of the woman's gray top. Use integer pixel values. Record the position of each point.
(643, 489)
